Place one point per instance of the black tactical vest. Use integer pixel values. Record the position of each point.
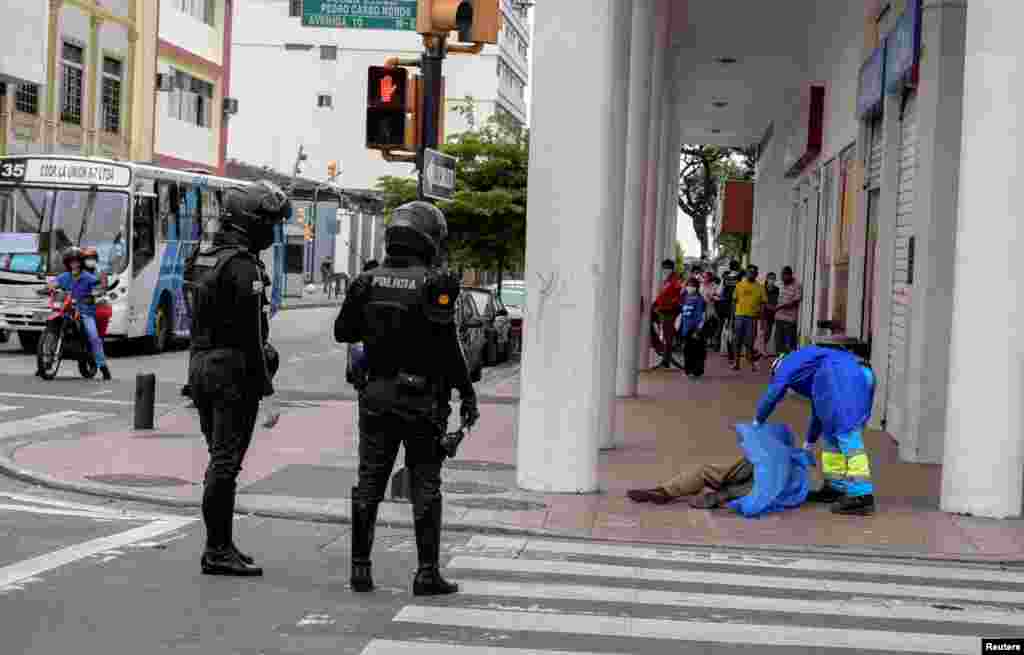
(201, 289)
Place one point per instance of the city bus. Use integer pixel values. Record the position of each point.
(144, 222)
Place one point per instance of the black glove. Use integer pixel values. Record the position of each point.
(468, 411)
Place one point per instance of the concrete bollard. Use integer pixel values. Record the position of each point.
(145, 397)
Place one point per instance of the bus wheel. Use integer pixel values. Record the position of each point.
(157, 343)
(29, 341)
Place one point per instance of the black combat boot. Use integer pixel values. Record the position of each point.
(428, 581)
(364, 518)
(221, 557)
(105, 371)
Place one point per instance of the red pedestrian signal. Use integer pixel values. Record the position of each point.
(387, 89)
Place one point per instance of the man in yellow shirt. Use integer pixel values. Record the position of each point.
(750, 299)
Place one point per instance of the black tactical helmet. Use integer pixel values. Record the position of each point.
(258, 205)
(417, 227)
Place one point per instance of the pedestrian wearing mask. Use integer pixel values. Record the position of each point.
(692, 329)
(666, 309)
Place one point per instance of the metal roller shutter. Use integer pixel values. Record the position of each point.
(875, 155)
(902, 281)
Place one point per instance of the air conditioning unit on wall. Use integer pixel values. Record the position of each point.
(164, 82)
(230, 106)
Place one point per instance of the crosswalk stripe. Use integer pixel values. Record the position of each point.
(895, 610)
(9, 408)
(748, 560)
(696, 631)
(820, 584)
(389, 647)
(46, 422)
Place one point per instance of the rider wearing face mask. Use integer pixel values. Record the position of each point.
(81, 283)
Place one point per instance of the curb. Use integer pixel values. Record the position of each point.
(9, 468)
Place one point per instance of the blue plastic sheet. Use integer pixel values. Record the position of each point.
(780, 470)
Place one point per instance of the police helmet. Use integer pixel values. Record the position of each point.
(417, 227)
(71, 254)
(257, 206)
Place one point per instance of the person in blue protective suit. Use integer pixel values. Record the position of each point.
(841, 388)
(81, 284)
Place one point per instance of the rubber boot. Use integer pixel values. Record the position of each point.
(364, 518)
(428, 581)
(105, 371)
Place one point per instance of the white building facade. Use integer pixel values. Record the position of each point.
(886, 179)
(316, 97)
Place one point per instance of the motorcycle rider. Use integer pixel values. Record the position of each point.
(81, 284)
(404, 313)
(232, 364)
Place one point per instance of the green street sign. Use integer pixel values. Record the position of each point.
(367, 15)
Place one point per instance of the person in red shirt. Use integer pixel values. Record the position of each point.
(666, 310)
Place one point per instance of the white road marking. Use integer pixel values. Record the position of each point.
(819, 584)
(388, 647)
(873, 608)
(35, 566)
(56, 511)
(694, 631)
(9, 408)
(48, 422)
(825, 566)
(101, 393)
(37, 396)
(97, 511)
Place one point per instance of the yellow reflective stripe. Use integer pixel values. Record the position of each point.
(833, 465)
(858, 466)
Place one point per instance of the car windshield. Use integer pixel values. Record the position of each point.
(36, 225)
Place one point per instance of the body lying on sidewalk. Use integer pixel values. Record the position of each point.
(725, 483)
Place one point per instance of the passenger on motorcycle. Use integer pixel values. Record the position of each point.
(81, 284)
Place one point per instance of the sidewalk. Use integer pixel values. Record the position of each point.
(311, 300)
(305, 467)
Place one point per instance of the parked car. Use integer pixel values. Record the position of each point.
(496, 322)
(472, 335)
(513, 297)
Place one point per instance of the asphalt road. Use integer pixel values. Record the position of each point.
(84, 577)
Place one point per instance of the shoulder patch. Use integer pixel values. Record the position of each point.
(257, 286)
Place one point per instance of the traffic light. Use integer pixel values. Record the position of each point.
(391, 108)
(332, 170)
(476, 21)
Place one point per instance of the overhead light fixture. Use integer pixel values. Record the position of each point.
(719, 104)
(726, 60)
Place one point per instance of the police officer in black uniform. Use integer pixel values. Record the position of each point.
(404, 313)
(231, 364)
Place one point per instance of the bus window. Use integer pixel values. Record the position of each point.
(143, 236)
(188, 214)
(211, 213)
(168, 205)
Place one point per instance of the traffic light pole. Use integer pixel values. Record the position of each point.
(432, 67)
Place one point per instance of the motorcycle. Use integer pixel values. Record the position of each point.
(65, 338)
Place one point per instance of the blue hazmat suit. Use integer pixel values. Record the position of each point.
(841, 391)
(780, 470)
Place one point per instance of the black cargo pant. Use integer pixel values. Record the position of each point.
(379, 438)
(228, 406)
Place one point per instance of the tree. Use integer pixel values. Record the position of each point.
(702, 169)
(487, 214)
(680, 253)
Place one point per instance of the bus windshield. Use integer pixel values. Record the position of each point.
(36, 225)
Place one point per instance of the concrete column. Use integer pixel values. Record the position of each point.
(570, 158)
(982, 462)
(663, 18)
(638, 135)
(608, 353)
(91, 128)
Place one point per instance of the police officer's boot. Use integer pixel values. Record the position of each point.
(364, 517)
(221, 557)
(428, 581)
(105, 371)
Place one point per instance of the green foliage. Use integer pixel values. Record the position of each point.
(702, 168)
(733, 246)
(487, 214)
(680, 254)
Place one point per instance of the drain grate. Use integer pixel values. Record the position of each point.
(468, 487)
(502, 504)
(136, 480)
(476, 465)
